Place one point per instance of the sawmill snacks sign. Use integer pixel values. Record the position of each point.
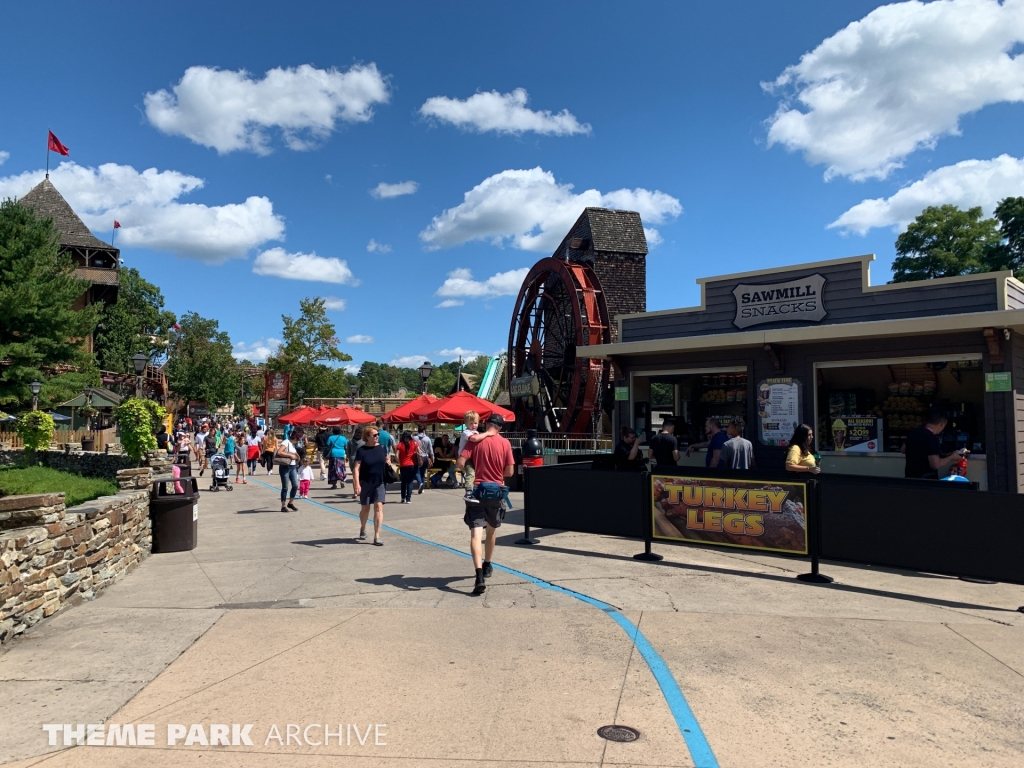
(734, 513)
(774, 302)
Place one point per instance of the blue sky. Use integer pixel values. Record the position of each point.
(666, 107)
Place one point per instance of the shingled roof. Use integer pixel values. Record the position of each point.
(616, 231)
(46, 201)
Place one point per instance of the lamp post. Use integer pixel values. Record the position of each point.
(35, 387)
(425, 370)
(353, 390)
(140, 360)
(299, 395)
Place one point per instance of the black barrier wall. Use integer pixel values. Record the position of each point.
(574, 497)
(923, 526)
(931, 526)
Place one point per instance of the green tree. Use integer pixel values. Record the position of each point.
(309, 343)
(200, 366)
(136, 322)
(1009, 253)
(441, 381)
(39, 329)
(477, 366)
(944, 241)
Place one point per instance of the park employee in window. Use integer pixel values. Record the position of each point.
(664, 446)
(923, 446)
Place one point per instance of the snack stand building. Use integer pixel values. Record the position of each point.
(818, 344)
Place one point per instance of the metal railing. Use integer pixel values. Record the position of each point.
(61, 437)
(565, 444)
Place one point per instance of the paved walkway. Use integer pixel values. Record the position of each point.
(280, 619)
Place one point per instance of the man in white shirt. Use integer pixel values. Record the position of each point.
(426, 455)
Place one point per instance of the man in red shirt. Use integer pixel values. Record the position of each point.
(491, 455)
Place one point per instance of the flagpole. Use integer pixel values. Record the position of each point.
(47, 152)
(112, 231)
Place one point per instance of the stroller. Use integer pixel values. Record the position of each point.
(219, 468)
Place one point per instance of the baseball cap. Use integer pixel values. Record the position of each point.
(497, 419)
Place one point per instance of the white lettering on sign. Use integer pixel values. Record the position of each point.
(776, 302)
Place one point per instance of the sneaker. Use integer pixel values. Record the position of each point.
(323, 476)
(362, 535)
(488, 570)
(291, 506)
(244, 481)
(285, 510)
(479, 587)
(378, 543)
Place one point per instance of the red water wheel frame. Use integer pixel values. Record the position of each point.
(561, 310)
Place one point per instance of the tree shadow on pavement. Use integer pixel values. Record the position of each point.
(257, 511)
(416, 583)
(937, 601)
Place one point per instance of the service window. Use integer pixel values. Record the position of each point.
(867, 408)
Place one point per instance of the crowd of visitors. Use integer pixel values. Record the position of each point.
(368, 457)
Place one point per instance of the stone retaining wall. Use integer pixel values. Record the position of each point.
(86, 464)
(52, 557)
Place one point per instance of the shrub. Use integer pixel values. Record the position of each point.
(139, 421)
(36, 429)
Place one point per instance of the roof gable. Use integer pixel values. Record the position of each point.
(47, 202)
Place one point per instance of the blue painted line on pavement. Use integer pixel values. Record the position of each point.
(689, 728)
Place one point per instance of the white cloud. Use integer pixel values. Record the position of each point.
(501, 112)
(374, 246)
(360, 339)
(967, 184)
(333, 303)
(258, 351)
(437, 355)
(896, 81)
(448, 303)
(384, 190)
(534, 212)
(276, 262)
(352, 368)
(327, 178)
(456, 352)
(231, 111)
(146, 204)
(460, 283)
(408, 361)
(4, 156)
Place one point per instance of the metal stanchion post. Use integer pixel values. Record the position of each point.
(526, 540)
(647, 555)
(815, 577)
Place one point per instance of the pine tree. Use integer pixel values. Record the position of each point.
(39, 328)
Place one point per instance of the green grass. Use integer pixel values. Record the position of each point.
(76, 489)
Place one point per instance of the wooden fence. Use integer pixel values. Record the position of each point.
(63, 436)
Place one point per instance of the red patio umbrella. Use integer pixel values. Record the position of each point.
(343, 415)
(297, 416)
(453, 409)
(403, 413)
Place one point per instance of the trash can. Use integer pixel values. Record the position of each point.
(184, 462)
(174, 516)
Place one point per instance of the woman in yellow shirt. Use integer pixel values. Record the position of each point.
(799, 457)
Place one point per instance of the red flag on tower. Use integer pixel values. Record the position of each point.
(56, 146)
(117, 224)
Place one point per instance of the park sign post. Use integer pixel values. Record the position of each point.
(276, 393)
(769, 516)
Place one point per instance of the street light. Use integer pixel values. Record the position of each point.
(299, 394)
(35, 388)
(353, 390)
(140, 360)
(425, 370)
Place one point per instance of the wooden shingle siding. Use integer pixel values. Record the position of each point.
(844, 299)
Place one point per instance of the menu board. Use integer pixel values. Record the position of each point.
(857, 434)
(778, 410)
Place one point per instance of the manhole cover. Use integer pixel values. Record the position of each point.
(621, 733)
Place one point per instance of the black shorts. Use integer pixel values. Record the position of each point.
(484, 512)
